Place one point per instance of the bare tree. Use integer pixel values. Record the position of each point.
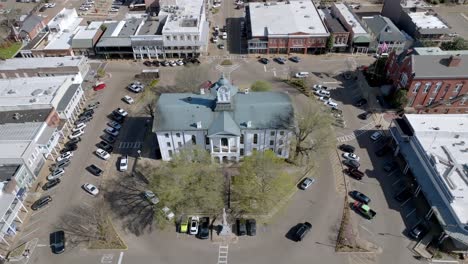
(190, 78)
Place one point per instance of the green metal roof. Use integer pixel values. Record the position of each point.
(361, 39)
(224, 125)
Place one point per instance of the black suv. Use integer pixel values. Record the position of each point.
(105, 146)
(73, 141)
(50, 184)
(57, 242)
(347, 148)
(43, 201)
(95, 170)
(241, 228)
(69, 147)
(251, 227)
(108, 138)
(295, 59)
(264, 60)
(204, 228)
(302, 230)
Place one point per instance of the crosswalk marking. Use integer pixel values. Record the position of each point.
(362, 258)
(125, 145)
(223, 254)
(357, 133)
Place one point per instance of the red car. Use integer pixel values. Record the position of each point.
(99, 86)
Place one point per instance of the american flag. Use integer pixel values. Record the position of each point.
(383, 47)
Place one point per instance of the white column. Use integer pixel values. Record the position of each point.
(229, 145)
(3, 239)
(211, 145)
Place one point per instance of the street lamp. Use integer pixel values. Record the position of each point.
(139, 153)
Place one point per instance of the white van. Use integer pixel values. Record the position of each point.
(331, 104)
(302, 75)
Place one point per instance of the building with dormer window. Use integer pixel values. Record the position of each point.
(226, 122)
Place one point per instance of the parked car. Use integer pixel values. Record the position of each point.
(50, 184)
(351, 164)
(108, 138)
(251, 225)
(355, 173)
(93, 105)
(365, 115)
(383, 150)
(358, 196)
(73, 141)
(87, 112)
(76, 134)
(128, 99)
(136, 88)
(83, 119)
(204, 228)
(179, 62)
(95, 170)
(62, 164)
(418, 231)
(404, 195)
(183, 226)
(301, 231)
(55, 174)
(79, 127)
(351, 156)
(91, 189)
(194, 225)
(389, 166)
(121, 112)
(151, 197)
(221, 46)
(167, 212)
(112, 131)
(347, 148)
(376, 136)
(280, 60)
(115, 125)
(301, 75)
(324, 98)
(264, 60)
(156, 63)
(295, 59)
(318, 87)
(66, 155)
(330, 103)
(43, 201)
(147, 63)
(68, 148)
(322, 93)
(57, 242)
(241, 228)
(306, 183)
(123, 165)
(99, 86)
(363, 209)
(102, 154)
(360, 102)
(105, 146)
(117, 118)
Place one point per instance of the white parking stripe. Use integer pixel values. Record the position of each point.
(120, 258)
(30, 233)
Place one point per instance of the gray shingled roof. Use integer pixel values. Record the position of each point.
(433, 66)
(384, 29)
(31, 22)
(182, 111)
(62, 105)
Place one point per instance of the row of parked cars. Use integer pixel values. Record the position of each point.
(172, 63)
(200, 226)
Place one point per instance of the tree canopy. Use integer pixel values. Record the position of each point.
(261, 86)
(458, 43)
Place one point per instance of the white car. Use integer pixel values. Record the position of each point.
(215, 39)
(55, 174)
(121, 112)
(322, 93)
(135, 88)
(52, 5)
(194, 225)
(76, 134)
(123, 165)
(306, 183)
(128, 99)
(102, 154)
(224, 35)
(351, 156)
(115, 125)
(79, 126)
(301, 75)
(112, 131)
(167, 212)
(151, 197)
(91, 189)
(216, 5)
(180, 62)
(173, 63)
(64, 156)
(216, 28)
(376, 136)
(330, 103)
(324, 98)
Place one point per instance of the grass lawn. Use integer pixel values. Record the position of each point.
(8, 53)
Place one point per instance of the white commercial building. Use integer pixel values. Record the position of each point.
(435, 150)
(75, 66)
(226, 122)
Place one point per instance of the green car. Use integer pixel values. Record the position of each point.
(183, 228)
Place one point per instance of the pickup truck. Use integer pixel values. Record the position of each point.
(364, 210)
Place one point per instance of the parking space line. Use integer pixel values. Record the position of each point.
(391, 173)
(30, 233)
(120, 258)
(395, 182)
(363, 227)
(410, 213)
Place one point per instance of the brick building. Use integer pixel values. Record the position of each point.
(285, 27)
(436, 81)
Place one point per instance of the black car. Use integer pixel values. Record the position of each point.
(355, 173)
(50, 184)
(204, 228)
(69, 147)
(251, 227)
(358, 196)
(365, 115)
(264, 60)
(241, 228)
(352, 164)
(418, 231)
(280, 60)
(42, 9)
(105, 146)
(95, 170)
(108, 138)
(117, 118)
(57, 242)
(43, 201)
(404, 195)
(156, 63)
(347, 148)
(301, 231)
(88, 113)
(73, 141)
(295, 59)
(147, 63)
(360, 102)
(83, 119)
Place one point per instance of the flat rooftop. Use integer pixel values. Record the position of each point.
(150, 27)
(436, 51)
(284, 18)
(33, 63)
(88, 32)
(350, 18)
(183, 15)
(426, 21)
(23, 116)
(445, 140)
(39, 91)
(414, 3)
